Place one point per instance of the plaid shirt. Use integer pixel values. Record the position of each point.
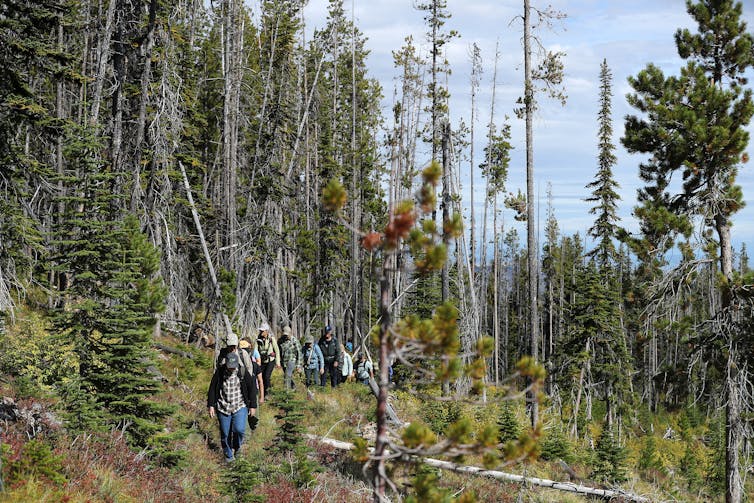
(231, 398)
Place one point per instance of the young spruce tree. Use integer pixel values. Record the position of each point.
(108, 309)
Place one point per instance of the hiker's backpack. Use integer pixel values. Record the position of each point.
(266, 350)
(361, 370)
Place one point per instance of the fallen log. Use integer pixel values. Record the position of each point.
(174, 351)
(508, 477)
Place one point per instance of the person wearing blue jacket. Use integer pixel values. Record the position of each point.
(314, 362)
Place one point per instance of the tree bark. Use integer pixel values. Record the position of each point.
(381, 442)
(531, 241)
(733, 422)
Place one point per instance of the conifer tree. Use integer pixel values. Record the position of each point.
(604, 186)
(597, 339)
(610, 457)
(693, 126)
(109, 307)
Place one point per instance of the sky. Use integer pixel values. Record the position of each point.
(629, 34)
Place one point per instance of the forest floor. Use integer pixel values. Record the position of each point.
(43, 462)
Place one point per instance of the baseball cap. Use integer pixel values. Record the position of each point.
(231, 361)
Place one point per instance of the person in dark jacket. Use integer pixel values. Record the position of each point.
(229, 398)
(330, 348)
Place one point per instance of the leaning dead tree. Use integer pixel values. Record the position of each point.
(210, 265)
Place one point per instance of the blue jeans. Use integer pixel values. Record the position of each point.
(289, 368)
(232, 430)
(312, 377)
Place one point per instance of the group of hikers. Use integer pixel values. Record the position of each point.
(244, 368)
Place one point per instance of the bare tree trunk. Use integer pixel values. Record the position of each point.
(475, 69)
(232, 36)
(577, 402)
(733, 422)
(495, 302)
(531, 241)
(355, 196)
(210, 265)
(445, 208)
(141, 121)
(381, 442)
(103, 57)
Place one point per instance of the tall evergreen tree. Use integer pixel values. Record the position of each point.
(694, 126)
(108, 308)
(604, 186)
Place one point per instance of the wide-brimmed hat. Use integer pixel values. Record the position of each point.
(231, 340)
(309, 340)
(264, 327)
(244, 344)
(287, 331)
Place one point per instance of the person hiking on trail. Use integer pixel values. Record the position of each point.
(269, 353)
(363, 368)
(290, 356)
(229, 397)
(244, 346)
(314, 362)
(346, 364)
(331, 351)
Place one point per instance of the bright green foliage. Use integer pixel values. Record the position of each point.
(693, 128)
(649, 457)
(556, 446)
(610, 458)
(30, 64)
(497, 159)
(695, 123)
(290, 439)
(597, 337)
(440, 415)
(108, 308)
(36, 459)
(241, 479)
(418, 435)
(508, 425)
(25, 353)
(691, 466)
(715, 463)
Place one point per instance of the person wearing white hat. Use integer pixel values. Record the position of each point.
(269, 354)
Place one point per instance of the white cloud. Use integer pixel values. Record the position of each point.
(628, 34)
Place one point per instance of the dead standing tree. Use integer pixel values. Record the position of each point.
(428, 347)
(549, 74)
